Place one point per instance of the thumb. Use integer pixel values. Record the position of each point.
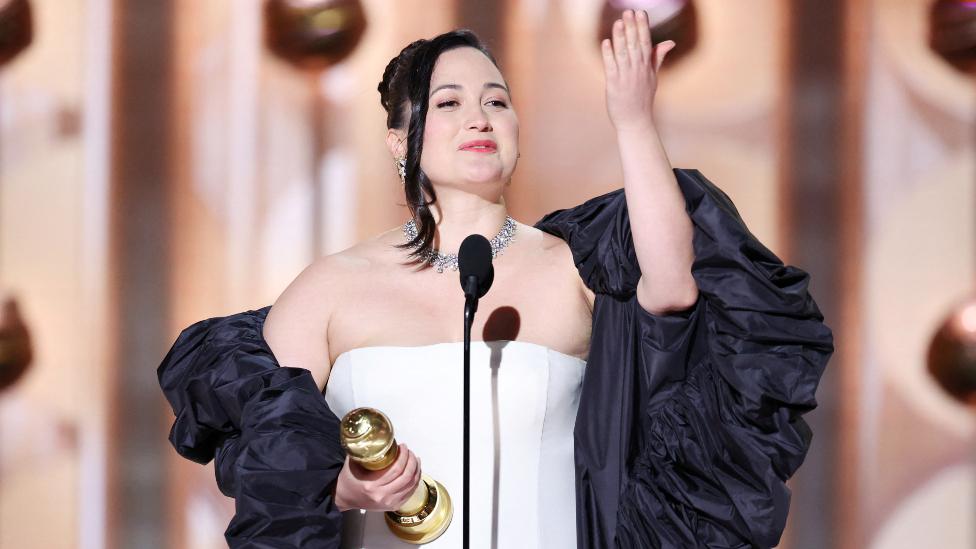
(660, 51)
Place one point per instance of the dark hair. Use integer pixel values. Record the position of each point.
(406, 83)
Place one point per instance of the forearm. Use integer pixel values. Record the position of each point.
(661, 229)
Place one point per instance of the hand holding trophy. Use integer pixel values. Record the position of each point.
(367, 436)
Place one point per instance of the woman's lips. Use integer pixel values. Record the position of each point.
(480, 146)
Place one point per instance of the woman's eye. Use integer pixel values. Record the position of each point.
(452, 103)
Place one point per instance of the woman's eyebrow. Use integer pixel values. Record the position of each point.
(458, 87)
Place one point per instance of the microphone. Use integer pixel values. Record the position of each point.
(477, 274)
(474, 262)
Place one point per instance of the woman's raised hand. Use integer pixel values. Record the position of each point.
(631, 64)
(385, 490)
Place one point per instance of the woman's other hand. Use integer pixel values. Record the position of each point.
(631, 65)
(385, 490)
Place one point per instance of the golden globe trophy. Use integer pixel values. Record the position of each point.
(367, 436)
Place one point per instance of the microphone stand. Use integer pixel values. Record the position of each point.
(470, 307)
(474, 262)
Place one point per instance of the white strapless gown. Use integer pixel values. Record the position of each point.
(524, 399)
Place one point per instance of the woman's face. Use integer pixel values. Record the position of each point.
(469, 102)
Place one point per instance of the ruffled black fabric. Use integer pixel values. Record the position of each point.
(275, 441)
(689, 423)
(688, 426)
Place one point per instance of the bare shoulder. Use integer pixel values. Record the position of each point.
(557, 253)
(308, 294)
(331, 274)
(541, 241)
(297, 325)
(551, 243)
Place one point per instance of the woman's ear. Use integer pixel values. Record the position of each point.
(396, 141)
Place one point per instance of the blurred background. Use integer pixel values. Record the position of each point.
(167, 161)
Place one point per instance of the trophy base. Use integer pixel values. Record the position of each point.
(428, 524)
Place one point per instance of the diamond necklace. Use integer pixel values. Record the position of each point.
(441, 261)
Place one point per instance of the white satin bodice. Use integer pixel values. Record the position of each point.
(524, 399)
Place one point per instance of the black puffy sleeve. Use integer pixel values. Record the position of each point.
(689, 423)
(274, 439)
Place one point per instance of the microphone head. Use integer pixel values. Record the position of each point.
(474, 259)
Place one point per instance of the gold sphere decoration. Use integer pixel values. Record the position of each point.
(952, 33)
(313, 34)
(16, 28)
(16, 349)
(952, 353)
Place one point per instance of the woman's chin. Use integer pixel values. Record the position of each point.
(483, 177)
(476, 180)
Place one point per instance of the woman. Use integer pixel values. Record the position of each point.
(701, 349)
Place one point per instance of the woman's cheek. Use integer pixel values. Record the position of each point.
(435, 149)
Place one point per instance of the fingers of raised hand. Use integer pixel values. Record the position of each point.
(644, 34)
(609, 63)
(620, 44)
(634, 53)
(660, 52)
(630, 42)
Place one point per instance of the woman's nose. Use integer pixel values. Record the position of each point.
(479, 121)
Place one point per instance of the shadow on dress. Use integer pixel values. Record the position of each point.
(494, 362)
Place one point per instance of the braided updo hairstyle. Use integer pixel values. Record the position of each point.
(403, 94)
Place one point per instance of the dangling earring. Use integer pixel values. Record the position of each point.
(401, 164)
